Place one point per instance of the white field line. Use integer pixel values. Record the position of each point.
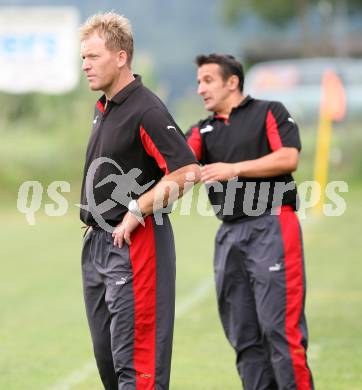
(81, 374)
(76, 377)
(198, 294)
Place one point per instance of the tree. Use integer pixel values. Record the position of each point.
(276, 11)
(280, 12)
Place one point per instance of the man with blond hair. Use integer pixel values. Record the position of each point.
(128, 260)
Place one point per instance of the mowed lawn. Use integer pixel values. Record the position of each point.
(44, 340)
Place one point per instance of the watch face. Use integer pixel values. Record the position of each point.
(135, 210)
(133, 207)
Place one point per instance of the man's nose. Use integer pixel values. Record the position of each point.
(85, 65)
(201, 89)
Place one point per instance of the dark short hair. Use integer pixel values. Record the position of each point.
(229, 66)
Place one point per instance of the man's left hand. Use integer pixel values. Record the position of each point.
(217, 172)
(122, 232)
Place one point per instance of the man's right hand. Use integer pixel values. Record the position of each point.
(122, 232)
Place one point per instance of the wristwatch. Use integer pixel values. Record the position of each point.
(135, 209)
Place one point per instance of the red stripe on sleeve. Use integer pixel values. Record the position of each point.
(295, 295)
(195, 142)
(152, 150)
(272, 132)
(100, 106)
(143, 260)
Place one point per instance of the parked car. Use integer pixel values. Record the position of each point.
(297, 84)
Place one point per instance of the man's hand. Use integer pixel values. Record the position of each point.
(218, 172)
(122, 232)
(280, 162)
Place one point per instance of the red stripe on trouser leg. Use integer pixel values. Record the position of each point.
(295, 296)
(143, 259)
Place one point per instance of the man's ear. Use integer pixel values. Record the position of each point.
(122, 58)
(233, 82)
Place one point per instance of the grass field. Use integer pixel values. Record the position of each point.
(44, 340)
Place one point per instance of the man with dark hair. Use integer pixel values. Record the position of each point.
(134, 152)
(228, 66)
(248, 149)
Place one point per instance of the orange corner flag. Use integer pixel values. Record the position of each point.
(332, 108)
(333, 99)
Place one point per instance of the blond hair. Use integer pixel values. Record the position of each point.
(113, 28)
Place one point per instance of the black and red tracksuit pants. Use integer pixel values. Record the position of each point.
(130, 300)
(260, 283)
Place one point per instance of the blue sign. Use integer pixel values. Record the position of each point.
(31, 44)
